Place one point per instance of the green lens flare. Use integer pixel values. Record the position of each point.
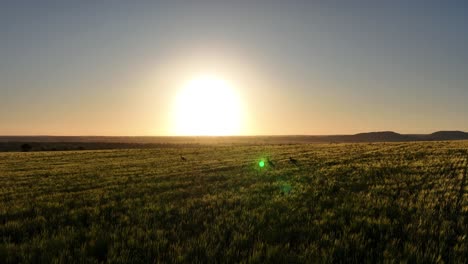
(261, 164)
(286, 188)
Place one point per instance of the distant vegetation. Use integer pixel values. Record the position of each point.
(67, 146)
(380, 202)
(54, 143)
(26, 147)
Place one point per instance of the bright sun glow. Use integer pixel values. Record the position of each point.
(207, 106)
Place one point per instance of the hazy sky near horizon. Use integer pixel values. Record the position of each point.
(300, 67)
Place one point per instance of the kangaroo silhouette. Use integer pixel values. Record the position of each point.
(293, 161)
(270, 162)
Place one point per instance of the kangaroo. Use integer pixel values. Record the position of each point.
(293, 161)
(271, 163)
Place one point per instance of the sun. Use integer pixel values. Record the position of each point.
(207, 106)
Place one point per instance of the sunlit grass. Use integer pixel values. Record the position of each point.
(340, 202)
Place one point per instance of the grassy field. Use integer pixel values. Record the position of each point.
(340, 202)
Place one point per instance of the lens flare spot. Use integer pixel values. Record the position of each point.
(261, 164)
(286, 188)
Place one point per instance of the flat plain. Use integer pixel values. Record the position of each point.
(379, 202)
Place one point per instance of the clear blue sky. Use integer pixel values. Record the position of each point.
(301, 67)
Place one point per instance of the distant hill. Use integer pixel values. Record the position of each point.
(448, 135)
(390, 136)
(47, 143)
(384, 136)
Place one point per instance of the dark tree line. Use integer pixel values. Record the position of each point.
(26, 147)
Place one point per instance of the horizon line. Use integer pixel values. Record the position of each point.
(253, 135)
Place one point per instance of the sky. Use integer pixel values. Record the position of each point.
(115, 68)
